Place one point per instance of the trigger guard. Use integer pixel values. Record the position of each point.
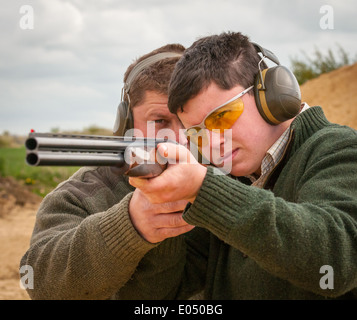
(146, 170)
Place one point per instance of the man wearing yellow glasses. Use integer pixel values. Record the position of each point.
(283, 223)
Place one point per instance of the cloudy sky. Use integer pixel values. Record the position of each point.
(62, 61)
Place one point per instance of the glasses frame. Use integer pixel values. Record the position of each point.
(202, 124)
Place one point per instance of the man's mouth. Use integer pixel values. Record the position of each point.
(228, 156)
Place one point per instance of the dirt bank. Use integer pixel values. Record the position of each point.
(336, 93)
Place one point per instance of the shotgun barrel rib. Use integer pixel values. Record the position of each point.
(126, 155)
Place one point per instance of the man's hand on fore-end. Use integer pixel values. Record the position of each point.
(157, 222)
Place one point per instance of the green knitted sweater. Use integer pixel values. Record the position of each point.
(249, 243)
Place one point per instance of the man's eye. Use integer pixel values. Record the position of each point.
(221, 114)
(163, 122)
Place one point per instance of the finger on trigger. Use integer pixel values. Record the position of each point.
(163, 150)
(170, 151)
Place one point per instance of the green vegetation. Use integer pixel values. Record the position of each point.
(40, 180)
(309, 68)
(7, 140)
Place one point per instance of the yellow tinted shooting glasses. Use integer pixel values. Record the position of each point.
(220, 119)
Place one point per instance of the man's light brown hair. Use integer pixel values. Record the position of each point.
(155, 77)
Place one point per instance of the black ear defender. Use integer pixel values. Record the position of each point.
(276, 90)
(124, 118)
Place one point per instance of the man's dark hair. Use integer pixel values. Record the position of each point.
(228, 59)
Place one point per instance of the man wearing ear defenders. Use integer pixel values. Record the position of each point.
(87, 242)
(283, 223)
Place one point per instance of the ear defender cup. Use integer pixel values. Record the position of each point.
(278, 98)
(124, 119)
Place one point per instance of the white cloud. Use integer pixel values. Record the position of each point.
(72, 63)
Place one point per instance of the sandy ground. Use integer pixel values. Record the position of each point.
(335, 92)
(18, 208)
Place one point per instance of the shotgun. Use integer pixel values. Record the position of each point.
(132, 156)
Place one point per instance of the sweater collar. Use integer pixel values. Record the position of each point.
(306, 124)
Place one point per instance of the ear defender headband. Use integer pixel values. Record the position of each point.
(276, 90)
(124, 118)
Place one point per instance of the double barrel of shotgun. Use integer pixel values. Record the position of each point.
(126, 155)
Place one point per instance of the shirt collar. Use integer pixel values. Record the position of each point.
(273, 155)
